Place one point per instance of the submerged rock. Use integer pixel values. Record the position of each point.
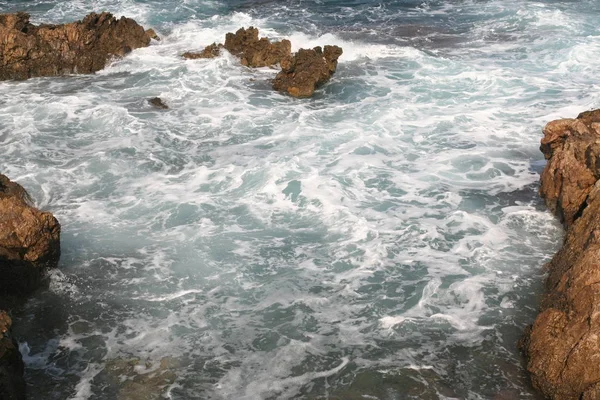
(29, 240)
(157, 102)
(82, 47)
(563, 345)
(12, 384)
(253, 52)
(210, 51)
(135, 380)
(302, 73)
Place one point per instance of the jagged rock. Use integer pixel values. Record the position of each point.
(29, 240)
(28, 50)
(563, 345)
(12, 384)
(157, 102)
(302, 73)
(210, 51)
(253, 52)
(572, 151)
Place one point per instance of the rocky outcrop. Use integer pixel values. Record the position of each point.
(12, 384)
(563, 345)
(29, 240)
(82, 47)
(253, 52)
(302, 73)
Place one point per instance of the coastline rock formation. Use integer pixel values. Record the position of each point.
(29, 240)
(302, 73)
(253, 52)
(82, 47)
(563, 345)
(29, 243)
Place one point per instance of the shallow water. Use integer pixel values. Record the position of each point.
(381, 239)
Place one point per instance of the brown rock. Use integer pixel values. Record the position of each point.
(302, 73)
(253, 52)
(27, 50)
(12, 384)
(210, 51)
(151, 33)
(157, 102)
(563, 345)
(29, 240)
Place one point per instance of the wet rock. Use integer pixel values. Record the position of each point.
(135, 380)
(563, 345)
(151, 33)
(12, 384)
(302, 73)
(157, 102)
(29, 240)
(82, 47)
(253, 52)
(210, 51)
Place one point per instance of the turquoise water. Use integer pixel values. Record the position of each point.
(383, 239)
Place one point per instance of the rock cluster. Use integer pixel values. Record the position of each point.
(82, 47)
(253, 52)
(563, 345)
(301, 73)
(29, 243)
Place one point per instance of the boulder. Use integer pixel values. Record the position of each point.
(253, 52)
(12, 384)
(157, 102)
(306, 70)
(563, 345)
(82, 47)
(29, 240)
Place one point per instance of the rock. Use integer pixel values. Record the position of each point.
(152, 34)
(83, 47)
(573, 165)
(12, 384)
(563, 345)
(302, 73)
(29, 240)
(210, 51)
(157, 102)
(253, 52)
(136, 380)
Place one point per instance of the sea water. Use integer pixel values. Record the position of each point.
(381, 240)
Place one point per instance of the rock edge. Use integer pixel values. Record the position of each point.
(562, 346)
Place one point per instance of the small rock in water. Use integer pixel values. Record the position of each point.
(302, 73)
(157, 102)
(151, 33)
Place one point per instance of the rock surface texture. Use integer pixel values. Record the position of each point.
(82, 47)
(29, 240)
(563, 345)
(253, 52)
(302, 73)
